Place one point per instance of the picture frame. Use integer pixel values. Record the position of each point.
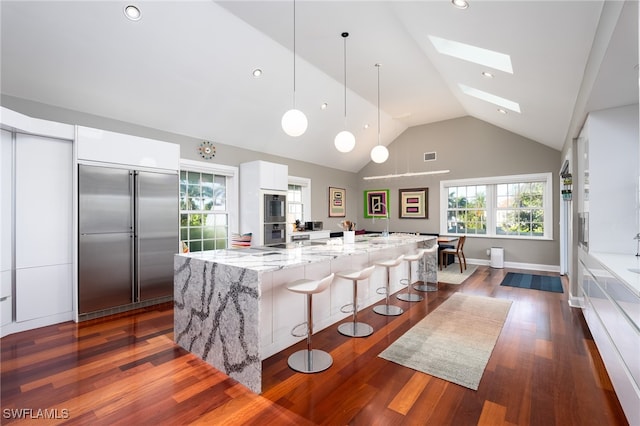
(376, 203)
(337, 202)
(413, 203)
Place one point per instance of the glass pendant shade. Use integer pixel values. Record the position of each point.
(379, 154)
(294, 122)
(345, 141)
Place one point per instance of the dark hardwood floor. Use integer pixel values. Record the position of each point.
(544, 370)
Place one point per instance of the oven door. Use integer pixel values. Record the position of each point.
(274, 233)
(274, 208)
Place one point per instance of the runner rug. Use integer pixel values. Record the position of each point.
(455, 341)
(535, 282)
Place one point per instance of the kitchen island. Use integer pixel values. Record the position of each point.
(232, 307)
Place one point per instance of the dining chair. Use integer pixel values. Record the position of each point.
(458, 251)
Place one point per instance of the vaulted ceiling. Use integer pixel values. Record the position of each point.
(186, 67)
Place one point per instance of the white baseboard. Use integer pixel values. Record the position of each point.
(518, 265)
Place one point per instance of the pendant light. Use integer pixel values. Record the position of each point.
(294, 122)
(345, 141)
(379, 153)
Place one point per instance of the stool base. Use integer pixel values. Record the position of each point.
(410, 297)
(389, 310)
(355, 329)
(314, 362)
(427, 287)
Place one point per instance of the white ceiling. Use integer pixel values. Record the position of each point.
(186, 67)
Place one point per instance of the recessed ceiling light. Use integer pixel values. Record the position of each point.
(478, 55)
(324, 106)
(366, 126)
(487, 74)
(502, 111)
(257, 72)
(460, 4)
(132, 12)
(488, 97)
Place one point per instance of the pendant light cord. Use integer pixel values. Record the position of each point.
(378, 66)
(294, 54)
(345, 35)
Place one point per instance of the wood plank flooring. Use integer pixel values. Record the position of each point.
(544, 370)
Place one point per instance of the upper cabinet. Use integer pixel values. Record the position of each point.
(264, 175)
(117, 148)
(608, 177)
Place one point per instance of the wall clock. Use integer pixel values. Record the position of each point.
(207, 150)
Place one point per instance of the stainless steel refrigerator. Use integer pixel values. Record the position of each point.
(128, 235)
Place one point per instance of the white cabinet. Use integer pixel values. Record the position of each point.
(117, 148)
(43, 224)
(6, 227)
(612, 312)
(36, 218)
(608, 152)
(264, 175)
(258, 178)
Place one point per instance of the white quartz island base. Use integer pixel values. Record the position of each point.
(232, 308)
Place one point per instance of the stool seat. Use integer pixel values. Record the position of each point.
(306, 286)
(429, 286)
(415, 256)
(408, 296)
(354, 328)
(309, 360)
(388, 309)
(390, 262)
(356, 274)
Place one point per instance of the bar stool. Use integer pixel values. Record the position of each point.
(408, 296)
(388, 309)
(309, 360)
(355, 328)
(429, 286)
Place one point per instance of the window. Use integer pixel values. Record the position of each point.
(207, 205)
(294, 202)
(507, 206)
(299, 199)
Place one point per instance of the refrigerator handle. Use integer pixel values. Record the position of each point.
(135, 290)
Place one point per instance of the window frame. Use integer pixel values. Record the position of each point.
(305, 183)
(491, 183)
(231, 174)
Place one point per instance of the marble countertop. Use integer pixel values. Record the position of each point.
(298, 253)
(620, 265)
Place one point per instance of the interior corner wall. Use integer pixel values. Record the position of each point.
(469, 148)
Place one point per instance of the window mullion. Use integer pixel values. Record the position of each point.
(492, 206)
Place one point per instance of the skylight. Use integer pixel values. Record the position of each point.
(488, 97)
(478, 55)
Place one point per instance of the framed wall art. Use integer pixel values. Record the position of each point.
(413, 203)
(337, 202)
(376, 203)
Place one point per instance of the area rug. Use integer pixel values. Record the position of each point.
(536, 282)
(455, 341)
(451, 274)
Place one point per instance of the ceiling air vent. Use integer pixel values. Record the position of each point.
(429, 156)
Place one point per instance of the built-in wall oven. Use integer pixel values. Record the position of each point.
(275, 208)
(275, 219)
(274, 233)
